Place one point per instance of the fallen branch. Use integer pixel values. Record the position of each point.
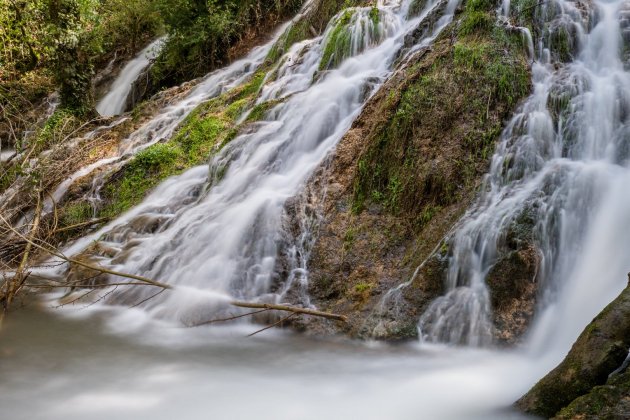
(288, 308)
(20, 277)
(58, 254)
(81, 225)
(212, 321)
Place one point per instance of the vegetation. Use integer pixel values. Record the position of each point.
(203, 32)
(203, 133)
(483, 71)
(338, 43)
(60, 42)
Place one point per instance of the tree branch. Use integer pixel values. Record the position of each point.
(288, 308)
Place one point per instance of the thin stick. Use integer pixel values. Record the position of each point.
(147, 299)
(84, 286)
(86, 265)
(287, 308)
(80, 225)
(273, 325)
(212, 321)
(19, 277)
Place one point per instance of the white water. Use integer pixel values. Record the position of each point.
(220, 236)
(114, 102)
(6, 154)
(571, 173)
(95, 369)
(164, 124)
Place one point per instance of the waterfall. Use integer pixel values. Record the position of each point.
(114, 102)
(217, 233)
(562, 162)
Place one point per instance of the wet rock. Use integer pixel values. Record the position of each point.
(140, 89)
(513, 286)
(391, 196)
(599, 351)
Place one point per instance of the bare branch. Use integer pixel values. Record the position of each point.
(287, 308)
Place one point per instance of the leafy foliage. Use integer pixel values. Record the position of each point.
(201, 32)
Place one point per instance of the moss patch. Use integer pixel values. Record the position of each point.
(202, 133)
(599, 351)
(312, 24)
(462, 95)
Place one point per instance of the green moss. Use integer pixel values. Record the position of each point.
(460, 96)
(76, 213)
(338, 43)
(205, 131)
(295, 33)
(363, 287)
(560, 43)
(582, 381)
(310, 25)
(236, 108)
(523, 12)
(9, 176)
(375, 16)
(253, 86)
(475, 22)
(61, 123)
(349, 238)
(470, 55)
(144, 172)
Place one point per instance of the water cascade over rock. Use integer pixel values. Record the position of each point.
(553, 194)
(236, 208)
(114, 102)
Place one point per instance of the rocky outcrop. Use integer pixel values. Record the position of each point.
(592, 381)
(405, 173)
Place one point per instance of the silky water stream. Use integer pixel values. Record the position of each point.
(219, 234)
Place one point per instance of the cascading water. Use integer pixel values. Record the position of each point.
(114, 102)
(561, 163)
(236, 212)
(163, 125)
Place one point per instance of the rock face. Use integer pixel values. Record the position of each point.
(404, 174)
(513, 287)
(591, 382)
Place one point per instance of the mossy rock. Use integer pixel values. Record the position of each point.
(598, 352)
(610, 401)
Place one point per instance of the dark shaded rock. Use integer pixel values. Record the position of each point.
(610, 401)
(140, 88)
(512, 284)
(598, 352)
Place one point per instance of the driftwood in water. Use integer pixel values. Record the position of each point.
(147, 281)
(288, 308)
(52, 251)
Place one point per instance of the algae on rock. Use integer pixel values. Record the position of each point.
(408, 168)
(586, 371)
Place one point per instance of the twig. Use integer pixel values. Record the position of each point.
(212, 321)
(83, 264)
(147, 299)
(287, 308)
(84, 286)
(19, 277)
(273, 325)
(80, 225)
